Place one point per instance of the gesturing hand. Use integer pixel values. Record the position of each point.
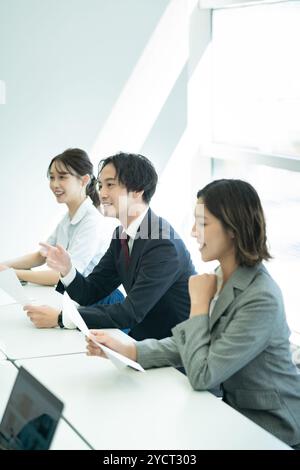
(57, 258)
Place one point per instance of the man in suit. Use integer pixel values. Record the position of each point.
(146, 255)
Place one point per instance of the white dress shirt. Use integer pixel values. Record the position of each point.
(132, 229)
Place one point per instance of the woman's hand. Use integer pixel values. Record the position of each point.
(57, 258)
(42, 316)
(3, 267)
(122, 346)
(202, 289)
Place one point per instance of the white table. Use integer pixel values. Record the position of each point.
(157, 409)
(20, 339)
(64, 438)
(2, 356)
(35, 292)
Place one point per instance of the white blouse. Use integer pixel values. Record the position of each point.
(86, 236)
(219, 274)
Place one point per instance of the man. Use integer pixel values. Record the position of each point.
(145, 255)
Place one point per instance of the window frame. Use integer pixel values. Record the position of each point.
(235, 152)
(215, 4)
(215, 150)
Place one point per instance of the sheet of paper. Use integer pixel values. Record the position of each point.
(2, 355)
(12, 286)
(6, 299)
(118, 359)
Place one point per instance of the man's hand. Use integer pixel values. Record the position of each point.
(42, 316)
(125, 347)
(202, 288)
(57, 258)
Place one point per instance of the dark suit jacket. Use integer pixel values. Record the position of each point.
(156, 283)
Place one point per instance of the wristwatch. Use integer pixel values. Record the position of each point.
(60, 321)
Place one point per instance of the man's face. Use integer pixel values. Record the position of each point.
(114, 196)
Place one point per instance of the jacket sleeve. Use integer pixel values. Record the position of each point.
(158, 353)
(103, 280)
(209, 362)
(158, 269)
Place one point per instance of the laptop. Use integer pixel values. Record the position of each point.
(31, 415)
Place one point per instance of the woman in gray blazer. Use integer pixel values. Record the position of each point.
(237, 335)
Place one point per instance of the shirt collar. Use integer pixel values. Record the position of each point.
(219, 274)
(132, 229)
(81, 211)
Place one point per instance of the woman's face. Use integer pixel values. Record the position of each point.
(215, 243)
(66, 188)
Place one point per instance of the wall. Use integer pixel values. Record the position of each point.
(130, 75)
(64, 64)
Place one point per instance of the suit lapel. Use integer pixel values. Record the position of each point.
(226, 297)
(135, 256)
(144, 233)
(121, 256)
(239, 281)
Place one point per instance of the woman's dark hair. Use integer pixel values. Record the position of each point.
(237, 205)
(134, 171)
(77, 163)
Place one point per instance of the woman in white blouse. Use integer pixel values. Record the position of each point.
(84, 232)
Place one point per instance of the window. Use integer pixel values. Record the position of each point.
(256, 124)
(256, 77)
(280, 196)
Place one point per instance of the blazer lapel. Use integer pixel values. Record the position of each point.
(225, 299)
(239, 281)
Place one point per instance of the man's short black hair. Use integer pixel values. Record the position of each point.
(134, 171)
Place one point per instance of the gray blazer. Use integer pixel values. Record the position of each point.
(244, 346)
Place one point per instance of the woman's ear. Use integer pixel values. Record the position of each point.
(85, 179)
(231, 234)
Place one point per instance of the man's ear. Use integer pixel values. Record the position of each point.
(137, 194)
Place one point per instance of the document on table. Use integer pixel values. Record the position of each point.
(5, 299)
(11, 290)
(118, 359)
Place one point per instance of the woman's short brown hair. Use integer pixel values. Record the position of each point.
(237, 205)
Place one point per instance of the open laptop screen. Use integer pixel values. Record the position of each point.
(31, 415)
